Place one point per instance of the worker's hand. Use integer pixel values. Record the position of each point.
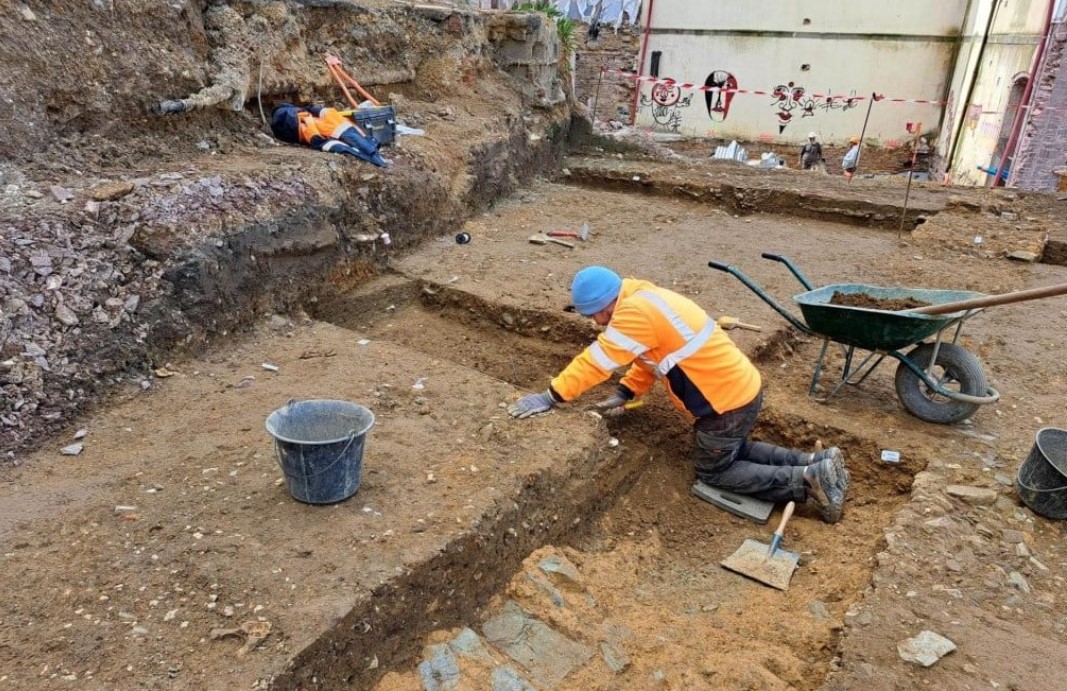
(613, 405)
(532, 404)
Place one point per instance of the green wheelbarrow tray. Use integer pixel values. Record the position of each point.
(938, 382)
(872, 329)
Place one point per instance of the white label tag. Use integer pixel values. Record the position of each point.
(891, 456)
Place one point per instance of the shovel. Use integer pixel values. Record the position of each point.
(768, 564)
(542, 239)
(582, 234)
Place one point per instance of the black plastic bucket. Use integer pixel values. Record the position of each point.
(1042, 479)
(319, 445)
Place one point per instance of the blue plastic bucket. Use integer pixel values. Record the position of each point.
(319, 445)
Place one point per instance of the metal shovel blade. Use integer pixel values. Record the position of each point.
(753, 559)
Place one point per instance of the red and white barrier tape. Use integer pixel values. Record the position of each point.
(686, 86)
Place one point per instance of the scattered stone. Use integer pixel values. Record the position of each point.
(507, 679)
(976, 496)
(81, 434)
(439, 669)
(124, 508)
(1017, 580)
(553, 594)
(34, 194)
(548, 655)
(1024, 256)
(27, 14)
(925, 649)
(61, 194)
(469, 644)
(72, 450)
(111, 191)
(560, 565)
(66, 315)
(616, 660)
(818, 610)
(255, 632)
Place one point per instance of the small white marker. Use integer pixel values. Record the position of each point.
(890, 456)
(269, 367)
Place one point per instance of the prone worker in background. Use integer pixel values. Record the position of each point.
(325, 129)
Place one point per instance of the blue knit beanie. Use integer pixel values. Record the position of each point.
(594, 288)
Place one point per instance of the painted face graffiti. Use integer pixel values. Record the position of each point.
(666, 94)
(665, 101)
(718, 102)
(790, 100)
(787, 98)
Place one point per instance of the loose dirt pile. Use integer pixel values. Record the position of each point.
(875, 303)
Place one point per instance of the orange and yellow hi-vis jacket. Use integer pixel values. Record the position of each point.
(664, 335)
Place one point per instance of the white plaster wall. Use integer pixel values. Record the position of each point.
(918, 17)
(903, 69)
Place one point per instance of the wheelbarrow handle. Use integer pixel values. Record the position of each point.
(782, 259)
(760, 293)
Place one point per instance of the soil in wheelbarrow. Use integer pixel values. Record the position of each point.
(872, 303)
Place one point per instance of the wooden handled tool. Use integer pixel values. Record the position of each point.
(728, 323)
(993, 300)
(768, 564)
(542, 239)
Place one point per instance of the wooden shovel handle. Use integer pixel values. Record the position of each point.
(993, 300)
(786, 515)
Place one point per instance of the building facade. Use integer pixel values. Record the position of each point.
(980, 78)
(815, 62)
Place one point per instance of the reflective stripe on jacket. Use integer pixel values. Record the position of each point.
(320, 130)
(664, 335)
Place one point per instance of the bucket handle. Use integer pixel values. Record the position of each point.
(1028, 488)
(278, 456)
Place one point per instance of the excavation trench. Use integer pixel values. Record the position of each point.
(650, 603)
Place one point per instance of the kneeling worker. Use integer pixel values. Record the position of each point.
(664, 335)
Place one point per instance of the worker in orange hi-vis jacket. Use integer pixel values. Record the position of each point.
(326, 129)
(660, 334)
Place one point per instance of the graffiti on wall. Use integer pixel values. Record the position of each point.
(718, 102)
(665, 102)
(791, 100)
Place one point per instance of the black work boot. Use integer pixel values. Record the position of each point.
(823, 491)
(837, 457)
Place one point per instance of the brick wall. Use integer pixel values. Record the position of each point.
(1043, 147)
(611, 51)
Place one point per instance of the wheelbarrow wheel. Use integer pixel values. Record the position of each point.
(956, 370)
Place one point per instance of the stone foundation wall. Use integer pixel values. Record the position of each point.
(615, 51)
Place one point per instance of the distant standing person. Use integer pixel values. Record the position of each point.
(852, 158)
(811, 153)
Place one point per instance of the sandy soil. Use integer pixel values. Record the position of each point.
(677, 541)
(120, 566)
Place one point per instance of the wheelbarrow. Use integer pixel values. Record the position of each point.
(939, 382)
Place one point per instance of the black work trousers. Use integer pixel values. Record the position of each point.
(724, 457)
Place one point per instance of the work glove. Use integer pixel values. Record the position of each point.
(613, 405)
(532, 404)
